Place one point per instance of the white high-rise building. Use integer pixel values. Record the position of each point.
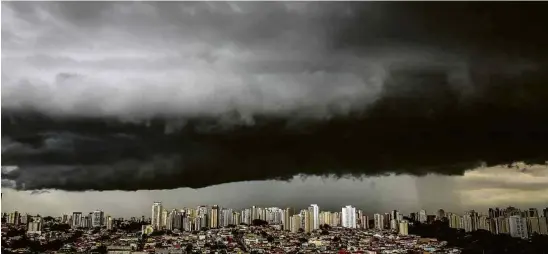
(349, 217)
(156, 215)
(315, 216)
(518, 226)
(97, 218)
(379, 221)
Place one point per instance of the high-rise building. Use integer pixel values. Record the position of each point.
(494, 213)
(455, 221)
(533, 225)
(170, 219)
(14, 218)
(295, 224)
(336, 219)
(518, 226)
(414, 216)
(403, 227)
(543, 225)
(482, 222)
(236, 218)
(348, 217)
(287, 218)
(440, 214)
(307, 220)
(97, 218)
(76, 219)
(35, 226)
(386, 220)
(65, 219)
(532, 212)
(423, 217)
(226, 217)
(214, 217)
(364, 222)
(25, 219)
(394, 224)
(109, 222)
(163, 218)
(470, 220)
(86, 221)
(379, 221)
(315, 216)
(545, 212)
(394, 215)
(502, 224)
(156, 215)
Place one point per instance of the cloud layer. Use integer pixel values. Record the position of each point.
(164, 95)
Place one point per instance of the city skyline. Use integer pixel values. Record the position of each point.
(517, 222)
(482, 188)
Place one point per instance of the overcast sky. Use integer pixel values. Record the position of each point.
(134, 61)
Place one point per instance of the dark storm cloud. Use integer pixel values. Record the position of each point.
(165, 95)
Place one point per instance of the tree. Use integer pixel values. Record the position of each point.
(48, 219)
(258, 222)
(189, 247)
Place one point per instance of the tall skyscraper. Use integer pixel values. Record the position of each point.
(315, 216)
(379, 221)
(470, 220)
(533, 225)
(110, 222)
(65, 219)
(214, 217)
(287, 218)
(348, 217)
(156, 215)
(76, 219)
(35, 226)
(518, 226)
(543, 225)
(403, 227)
(423, 217)
(306, 215)
(163, 218)
(14, 218)
(97, 218)
(394, 224)
(455, 221)
(295, 224)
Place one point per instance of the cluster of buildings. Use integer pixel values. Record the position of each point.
(307, 220)
(311, 229)
(92, 220)
(511, 220)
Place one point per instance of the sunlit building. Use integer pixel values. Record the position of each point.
(348, 214)
(156, 215)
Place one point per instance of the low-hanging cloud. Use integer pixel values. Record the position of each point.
(165, 95)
